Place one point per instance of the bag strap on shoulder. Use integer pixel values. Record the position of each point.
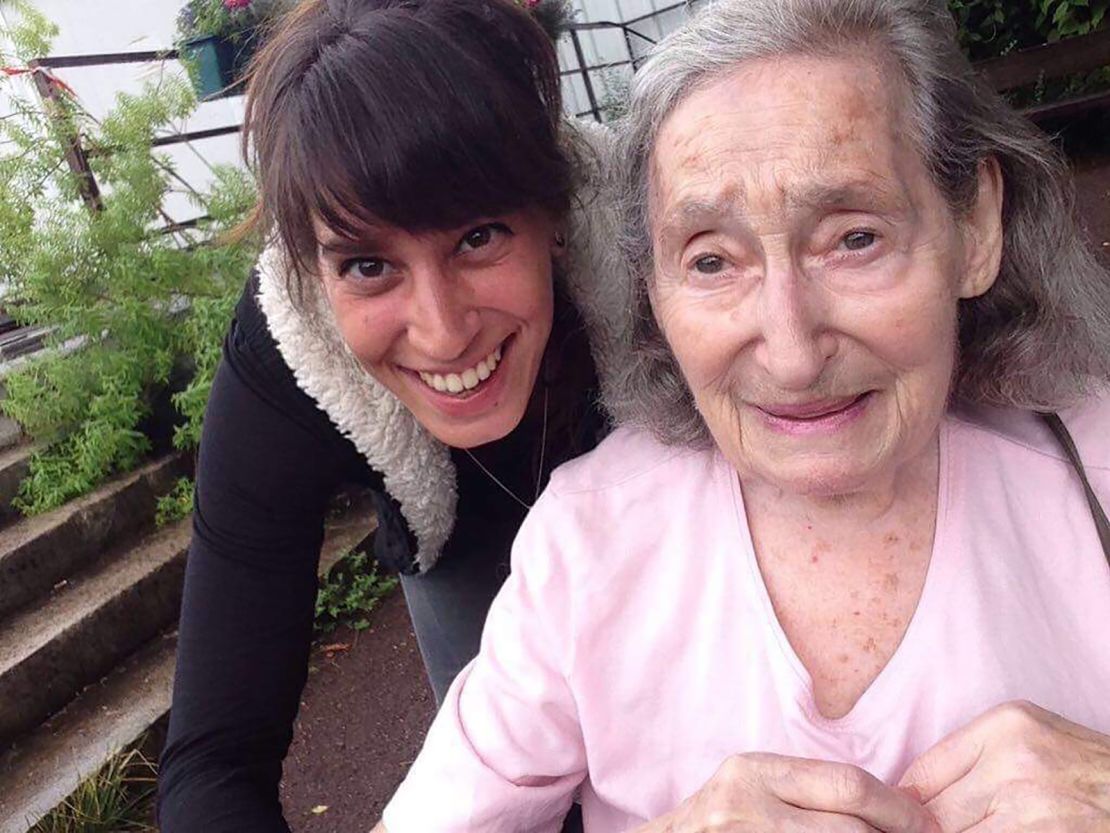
(1056, 425)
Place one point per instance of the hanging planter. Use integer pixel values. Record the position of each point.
(217, 38)
(213, 64)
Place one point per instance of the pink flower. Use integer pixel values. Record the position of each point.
(232, 5)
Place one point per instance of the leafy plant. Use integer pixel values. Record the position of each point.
(233, 20)
(118, 798)
(125, 301)
(990, 28)
(616, 86)
(240, 24)
(351, 589)
(993, 28)
(175, 505)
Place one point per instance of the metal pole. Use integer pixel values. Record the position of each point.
(74, 154)
(585, 75)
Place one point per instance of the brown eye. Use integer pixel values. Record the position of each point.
(365, 268)
(482, 236)
(478, 238)
(857, 240)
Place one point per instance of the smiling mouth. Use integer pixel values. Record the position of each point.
(813, 411)
(466, 381)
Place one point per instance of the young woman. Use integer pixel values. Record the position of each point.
(429, 319)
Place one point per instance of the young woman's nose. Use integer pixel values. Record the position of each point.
(795, 344)
(443, 321)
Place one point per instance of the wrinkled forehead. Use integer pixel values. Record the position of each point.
(782, 134)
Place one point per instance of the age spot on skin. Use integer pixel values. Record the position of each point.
(890, 582)
(891, 539)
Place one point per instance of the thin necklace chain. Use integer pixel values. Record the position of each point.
(539, 474)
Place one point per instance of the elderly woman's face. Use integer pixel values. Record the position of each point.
(808, 271)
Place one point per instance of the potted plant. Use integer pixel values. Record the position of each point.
(216, 39)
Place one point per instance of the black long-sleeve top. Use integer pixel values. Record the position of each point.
(270, 461)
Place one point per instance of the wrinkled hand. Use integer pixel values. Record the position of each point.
(1017, 768)
(758, 792)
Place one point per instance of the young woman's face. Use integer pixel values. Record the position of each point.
(454, 323)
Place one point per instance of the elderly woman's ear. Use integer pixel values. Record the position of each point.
(982, 233)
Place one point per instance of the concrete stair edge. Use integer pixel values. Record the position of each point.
(48, 653)
(46, 765)
(40, 551)
(15, 464)
(10, 433)
(105, 719)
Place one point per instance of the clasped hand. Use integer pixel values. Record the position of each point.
(1015, 769)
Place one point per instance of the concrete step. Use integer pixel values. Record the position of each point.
(15, 462)
(45, 767)
(10, 432)
(36, 553)
(350, 524)
(85, 627)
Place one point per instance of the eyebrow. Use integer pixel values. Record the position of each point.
(847, 195)
(339, 246)
(694, 212)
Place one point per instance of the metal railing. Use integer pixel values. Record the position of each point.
(77, 156)
(633, 36)
(1000, 71)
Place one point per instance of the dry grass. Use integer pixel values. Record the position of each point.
(117, 799)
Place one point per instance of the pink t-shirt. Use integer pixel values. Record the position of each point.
(635, 647)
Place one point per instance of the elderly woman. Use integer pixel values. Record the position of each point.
(847, 579)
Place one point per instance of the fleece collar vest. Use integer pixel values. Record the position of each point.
(416, 468)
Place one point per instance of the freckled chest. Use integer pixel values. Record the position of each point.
(845, 605)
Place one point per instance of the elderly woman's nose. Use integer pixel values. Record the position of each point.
(443, 321)
(794, 343)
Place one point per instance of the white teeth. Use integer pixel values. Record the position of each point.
(468, 379)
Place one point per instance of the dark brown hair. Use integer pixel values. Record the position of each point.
(423, 114)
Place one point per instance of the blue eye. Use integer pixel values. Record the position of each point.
(857, 240)
(709, 264)
(365, 268)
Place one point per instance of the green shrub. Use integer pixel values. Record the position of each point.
(133, 302)
(175, 505)
(994, 28)
(990, 28)
(351, 589)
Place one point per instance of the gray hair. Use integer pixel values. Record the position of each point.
(1038, 339)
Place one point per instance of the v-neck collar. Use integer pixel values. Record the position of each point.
(884, 694)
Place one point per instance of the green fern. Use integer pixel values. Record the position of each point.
(126, 303)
